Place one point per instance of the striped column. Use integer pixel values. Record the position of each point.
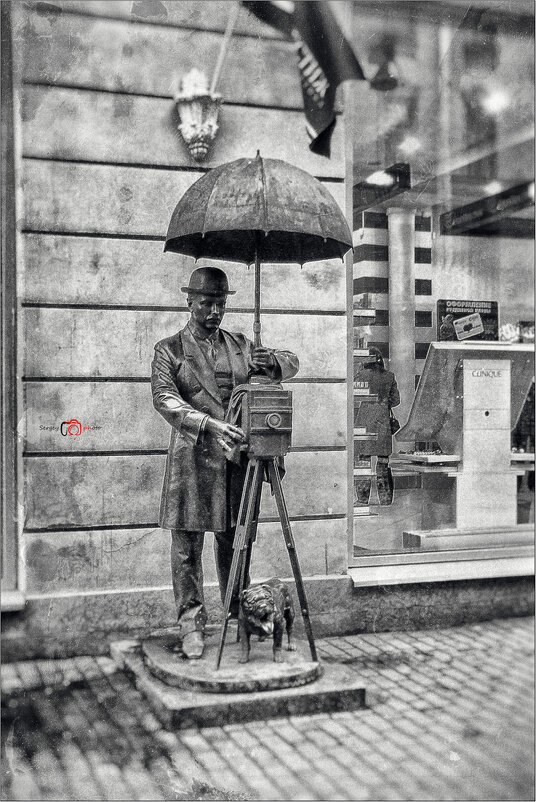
(371, 282)
(394, 305)
(371, 321)
(425, 294)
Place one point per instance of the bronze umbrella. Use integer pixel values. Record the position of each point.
(258, 210)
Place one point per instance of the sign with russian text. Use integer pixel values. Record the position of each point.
(461, 320)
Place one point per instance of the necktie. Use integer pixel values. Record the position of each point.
(213, 349)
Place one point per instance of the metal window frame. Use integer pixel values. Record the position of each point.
(12, 590)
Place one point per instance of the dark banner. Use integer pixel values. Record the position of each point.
(463, 320)
(325, 59)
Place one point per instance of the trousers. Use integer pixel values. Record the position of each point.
(384, 480)
(187, 575)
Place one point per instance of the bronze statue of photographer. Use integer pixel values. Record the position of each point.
(193, 375)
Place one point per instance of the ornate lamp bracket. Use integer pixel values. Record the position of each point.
(198, 109)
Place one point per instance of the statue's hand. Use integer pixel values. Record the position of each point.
(262, 358)
(226, 434)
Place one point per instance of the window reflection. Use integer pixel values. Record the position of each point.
(450, 96)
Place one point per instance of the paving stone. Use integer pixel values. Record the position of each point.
(290, 734)
(277, 774)
(248, 772)
(29, 675)
(79, 772)
(9, 678)
(195, 741)
(169, 783)
(52, 780)
(320, 787)
(19, 780)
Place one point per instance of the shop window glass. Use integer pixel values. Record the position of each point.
(466, 139)
(9, 334)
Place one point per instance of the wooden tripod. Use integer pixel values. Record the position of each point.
(245, 535)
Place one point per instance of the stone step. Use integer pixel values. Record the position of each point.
(337, 689)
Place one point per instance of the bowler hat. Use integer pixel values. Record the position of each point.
(208, 281)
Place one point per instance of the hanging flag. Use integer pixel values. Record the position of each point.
(325, 59)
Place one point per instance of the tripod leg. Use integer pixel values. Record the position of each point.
(248, 503)
(275, 480)
(250, 539)
(244, 569)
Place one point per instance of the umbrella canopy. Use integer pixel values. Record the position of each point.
(261, 210)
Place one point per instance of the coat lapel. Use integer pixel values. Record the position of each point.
(237, 358)
(198, 364)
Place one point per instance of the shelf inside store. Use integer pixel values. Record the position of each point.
(361, 312)
(365, 512)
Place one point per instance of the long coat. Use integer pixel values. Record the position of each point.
(374, 414)
(202, 489)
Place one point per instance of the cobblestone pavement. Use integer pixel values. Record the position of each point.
(450, 716)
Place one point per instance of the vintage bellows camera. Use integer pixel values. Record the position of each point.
(266, 418)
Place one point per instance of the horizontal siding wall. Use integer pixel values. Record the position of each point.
(143, 130)
(97, 490)
(139, 58)
(97, 272)
(191, 14)
(103, 167)
(124, 419)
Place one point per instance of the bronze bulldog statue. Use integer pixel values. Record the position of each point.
(264, 610)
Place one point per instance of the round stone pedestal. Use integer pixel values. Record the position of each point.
(164, 658)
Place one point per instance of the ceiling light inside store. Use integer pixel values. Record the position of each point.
(386, 77)
(495, 101)
(493, 187)
(380, 179)
(289, 7)
(410, 145)
(382, 52)
(380, 186)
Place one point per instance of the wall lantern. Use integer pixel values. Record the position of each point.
(198, 109)
(197, 105)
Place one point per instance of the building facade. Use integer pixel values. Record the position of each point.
(94, 166)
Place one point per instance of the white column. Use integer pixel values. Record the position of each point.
(402, 306)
